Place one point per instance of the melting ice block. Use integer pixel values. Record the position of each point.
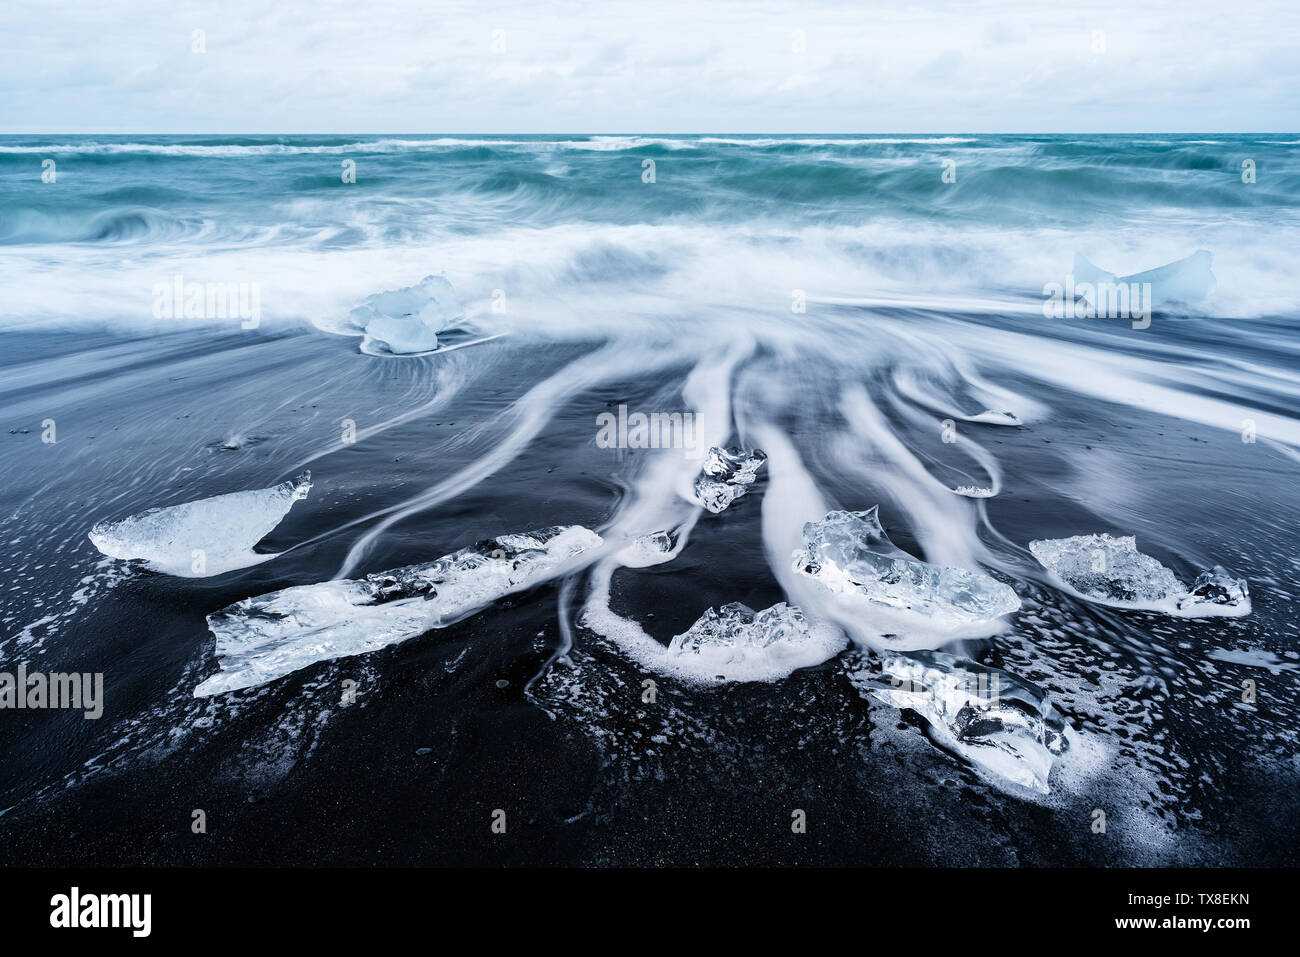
(849, 554)
(989, 417)
(1186, 280)
(1110, 570)
(264, 638)
(646, 550)
(726, 475)
(740, 644)
(407, 321)
(974, 491)
(994, 719)
(207, 537)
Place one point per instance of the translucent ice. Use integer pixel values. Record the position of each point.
(849, 554)
(1110, 570)
(264, 638)
(726, 475)
(989, 417)
(740, 644)
(202, 538)
(407, 321)
(1216, 588)
(974, 491)
(994, 719)
(1186, 280)
(646, 550)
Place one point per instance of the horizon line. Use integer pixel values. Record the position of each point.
(659, 133)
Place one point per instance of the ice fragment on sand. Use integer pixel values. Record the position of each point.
(263, 638)
(726, 475)
(407, 321)
(646, 550)
(989, 417)
(1216, 588)
(1110, 570)
(202, 538)
(992, 718)
(849, 554)
(740, 644)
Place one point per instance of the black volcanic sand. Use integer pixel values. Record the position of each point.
(585, 771)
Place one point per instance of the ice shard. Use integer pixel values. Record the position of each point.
(849, 554)
(1216, 588)
(646, 550)
(992, 718)
(264, 638)
(726, 475)
(202, 538)
(990, 417)
(1110, 570)
(737, 643)
(1186, 280)
(407, 321)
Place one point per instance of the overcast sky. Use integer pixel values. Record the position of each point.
(655, 66)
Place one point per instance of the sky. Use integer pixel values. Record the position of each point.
(651, 66)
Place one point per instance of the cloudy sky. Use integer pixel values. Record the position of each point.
(278, 66)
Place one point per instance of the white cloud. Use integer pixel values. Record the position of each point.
(664, 66)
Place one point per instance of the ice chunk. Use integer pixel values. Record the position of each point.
(1110, 570)
(646, 550)
(849, 554)
(1216, 588)
(974, 491)
(1187, 280)
(737, 643)
(400, 336)
(994, 719)
(989, 417)
(726, 475)
(407, 321)
(207, 537)
(264, 638)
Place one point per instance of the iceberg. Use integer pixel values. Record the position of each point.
(264, 638)
(407, 321)
(739, 644)
(207, 537)
(974, 491)
(726, 475)
(1110, 570)
(992, 718)
(1187, 280)
(849, 554)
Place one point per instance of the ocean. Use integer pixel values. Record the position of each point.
(441, 330)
